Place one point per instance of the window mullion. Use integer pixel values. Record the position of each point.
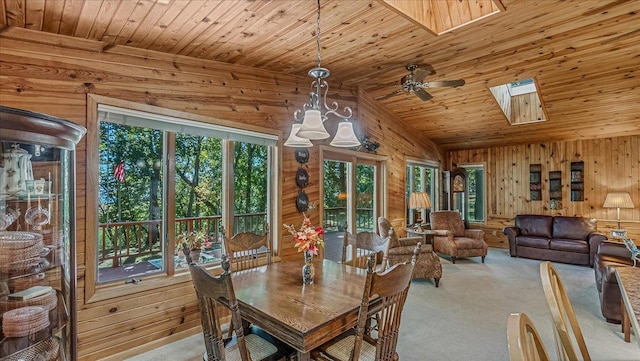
(227, 186)
(169, 210)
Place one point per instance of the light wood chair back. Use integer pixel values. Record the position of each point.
(249, 250)
(567, 330)
(356, 249)
(388, 290)
(523, 339)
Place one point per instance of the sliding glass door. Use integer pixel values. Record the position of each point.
(352, 188)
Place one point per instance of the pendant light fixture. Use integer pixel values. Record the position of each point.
(315, 113)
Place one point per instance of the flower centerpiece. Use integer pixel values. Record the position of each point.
(194, 240)
(308, 240)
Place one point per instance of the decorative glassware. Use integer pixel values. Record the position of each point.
(308, 271)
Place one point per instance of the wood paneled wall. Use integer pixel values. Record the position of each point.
(610, 165)
(55, 74)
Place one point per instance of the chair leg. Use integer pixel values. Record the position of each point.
(437, 281)
(483, 259)
(453, 259)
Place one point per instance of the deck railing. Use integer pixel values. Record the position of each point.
(124, 242)
(335, 218)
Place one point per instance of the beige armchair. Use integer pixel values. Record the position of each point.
(400, 250)
(451, 238)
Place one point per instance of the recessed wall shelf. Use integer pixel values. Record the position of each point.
(577, 181)
(555, 189)
(535, 182)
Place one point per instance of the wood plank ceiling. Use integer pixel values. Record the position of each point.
(584, 55)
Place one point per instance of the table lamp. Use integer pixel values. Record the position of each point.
(618, 200)
(419, 201)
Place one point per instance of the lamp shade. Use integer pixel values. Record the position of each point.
(295, 141)
(618, 200)
(345, 136)
(312, 126)
(419, 200)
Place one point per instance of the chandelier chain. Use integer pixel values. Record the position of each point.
(318, 35)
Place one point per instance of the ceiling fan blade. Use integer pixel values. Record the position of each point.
(391, 94)
(422, 94)
(419, 75)
(443, 83)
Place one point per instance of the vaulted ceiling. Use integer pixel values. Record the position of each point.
(583, 55)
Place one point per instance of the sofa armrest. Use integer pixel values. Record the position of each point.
(474, 233)
(409, 241)
(512, 233)
(614, 249)
(441, 233)
(595, 239)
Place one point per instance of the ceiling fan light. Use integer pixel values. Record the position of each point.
(312, 126)
(345, 136)
(295, 141)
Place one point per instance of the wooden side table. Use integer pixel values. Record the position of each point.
(427, 235)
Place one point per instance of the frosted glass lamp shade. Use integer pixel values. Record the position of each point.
(295, 141)
(345, 136)
(312, 126)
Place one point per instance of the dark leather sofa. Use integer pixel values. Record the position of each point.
(559, 239)
(609, 256)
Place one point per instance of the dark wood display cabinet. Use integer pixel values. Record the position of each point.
(37, 236)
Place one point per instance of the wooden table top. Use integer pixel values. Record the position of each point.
(629, 281)
(304, 316)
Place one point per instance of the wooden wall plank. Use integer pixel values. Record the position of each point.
(58, 80)
(611, 164)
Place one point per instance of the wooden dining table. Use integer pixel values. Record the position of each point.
(274, 298)
(629, 283)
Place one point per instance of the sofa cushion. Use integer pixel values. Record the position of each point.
(569, 245)
(573, 227)
(534, 225)
(535, 242)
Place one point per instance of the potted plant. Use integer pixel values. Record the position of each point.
(194, 240)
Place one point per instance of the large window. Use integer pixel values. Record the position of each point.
(476, 193)
(421, 177)
(163, 179)
(352, 191)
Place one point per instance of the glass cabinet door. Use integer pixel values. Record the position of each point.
(37, 248)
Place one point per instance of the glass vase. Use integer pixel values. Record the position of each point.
(308, 271)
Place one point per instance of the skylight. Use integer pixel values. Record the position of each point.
(520, 101)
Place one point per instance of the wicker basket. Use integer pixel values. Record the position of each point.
(25, 321)
(48, 300)
(47, 350)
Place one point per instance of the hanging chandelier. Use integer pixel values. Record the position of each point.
(314, 114)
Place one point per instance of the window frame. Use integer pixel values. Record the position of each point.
(355, 158)
(436, 180)
(94, 291)
(482, 165)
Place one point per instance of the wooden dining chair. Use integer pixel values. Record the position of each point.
(356, 248)
(567, 330)
(523, 339)
(387, 290)
(249, 250)
(215, 295)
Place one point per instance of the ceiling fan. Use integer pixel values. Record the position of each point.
(413, 82)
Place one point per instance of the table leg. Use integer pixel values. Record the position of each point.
(304, 356)
(626, 323)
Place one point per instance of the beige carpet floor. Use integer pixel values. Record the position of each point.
(466, 317)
